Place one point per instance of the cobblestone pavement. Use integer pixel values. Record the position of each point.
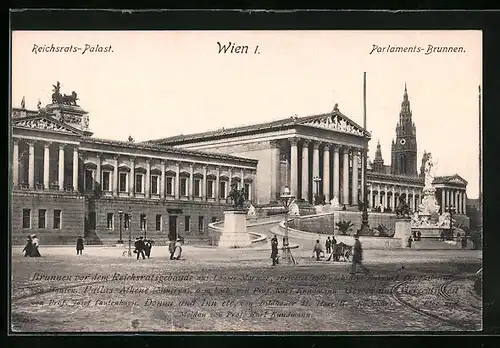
(212, 289)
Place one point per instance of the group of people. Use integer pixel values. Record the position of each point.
(32, 245)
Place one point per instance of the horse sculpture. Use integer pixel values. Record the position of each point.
(403, 209)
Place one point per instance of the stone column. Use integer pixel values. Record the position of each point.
(326, 172)
(457, 204)
(315, 168)
(75, 168)
(407, 195)
(191, 181)
(464, 202)
(162, 180)
(275, 169)
(115, 177)
(204, 183)
(132, 177)
(294, 167)
(31, 164)
(448, 198)
(362, 174)
(177, 180)
(414, 199)
(46, 168)
(15, 163)
(242, 183)
(370, 198)
(354, 193)
(345, 181)
(336, 172)
(147, 189)
(61, 167)
(230, 172)
(379, 187)
(393, 198)
(443, 201)
(305, 170)
(217, 184)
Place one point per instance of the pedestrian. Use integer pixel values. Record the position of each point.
(28, 249)
(328, 245)
(419, 235)
(36, 244)
(442, 236)
(410, 239)
(317, 249)
(357, 256)
(274, 250)
(148, 245)
(334, 246)
(171, 248)
(464, 242)
(139, 247)
(79, 245)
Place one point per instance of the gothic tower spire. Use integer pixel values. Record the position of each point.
(404, 148)
(378, 161)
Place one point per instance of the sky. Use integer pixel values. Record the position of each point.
(155, 84)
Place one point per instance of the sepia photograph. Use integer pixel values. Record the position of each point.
(246, 181)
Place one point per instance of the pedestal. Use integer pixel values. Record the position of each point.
(234, 234)
(403, 231)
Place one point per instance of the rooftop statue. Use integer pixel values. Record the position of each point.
(58, 98)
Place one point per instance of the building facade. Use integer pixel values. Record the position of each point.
(67, 183)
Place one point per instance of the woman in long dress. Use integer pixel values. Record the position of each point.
(178, 249)
(36, 244)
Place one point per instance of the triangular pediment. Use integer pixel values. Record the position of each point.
(335, 121)
(457, 180)
(45, 123)
(453, 179)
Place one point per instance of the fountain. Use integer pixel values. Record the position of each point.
(427, 219)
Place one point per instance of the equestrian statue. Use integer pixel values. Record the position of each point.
(403, 209)
(237, 197)
(58, 98)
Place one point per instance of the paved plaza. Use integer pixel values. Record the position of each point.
(213, 289)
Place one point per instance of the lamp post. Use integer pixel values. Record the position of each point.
(129, 234)
(286, 198)
(451, 210)
(365, 227)
(317, 180)
(120, 214)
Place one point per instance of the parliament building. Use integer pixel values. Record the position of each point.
(68, 183)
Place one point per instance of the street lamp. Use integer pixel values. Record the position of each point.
(365, 227)
(120, 214)
(287, 199)
(451, 210)
(129, 234)
(317, 180)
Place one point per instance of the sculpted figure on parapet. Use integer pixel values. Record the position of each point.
(58, 98)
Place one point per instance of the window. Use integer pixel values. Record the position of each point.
(197, 183)
(26, 218)
(158, 222)
(222, 189)
(154, 184)
(210, 189)
(57, 219)
(106, 176)
(123, 182)
(138, 183)
(143, 222)
(126, 221)
(89, 179)
(200, 223)
(183, 187)
(41, 218)
(109, 221)
(170, 186)
(187, 220)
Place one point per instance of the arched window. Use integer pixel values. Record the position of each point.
(402, 163)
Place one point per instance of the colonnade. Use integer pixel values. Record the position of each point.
(455, 198)
(387, 195)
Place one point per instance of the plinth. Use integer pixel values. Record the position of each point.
(403, 231)
(234, 234)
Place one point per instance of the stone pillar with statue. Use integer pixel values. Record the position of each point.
(235, 234)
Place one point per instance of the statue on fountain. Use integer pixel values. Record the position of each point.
(403, 209)
(237, 197)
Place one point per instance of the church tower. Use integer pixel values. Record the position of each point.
(404, 147)
(378, 162)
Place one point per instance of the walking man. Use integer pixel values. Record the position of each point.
(274, 250)
(357, 256)
(139, 248)
(79, 245)
(328, 245)
(317, 249)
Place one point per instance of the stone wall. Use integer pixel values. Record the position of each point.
(152, 208)
(324, 223)
(72, 208)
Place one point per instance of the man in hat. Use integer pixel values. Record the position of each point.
(139, 247)
(357, 255)
(79, 245)
(274, 250)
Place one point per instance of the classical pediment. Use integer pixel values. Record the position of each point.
(45, 124)
(453, 179)
(336, 122)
